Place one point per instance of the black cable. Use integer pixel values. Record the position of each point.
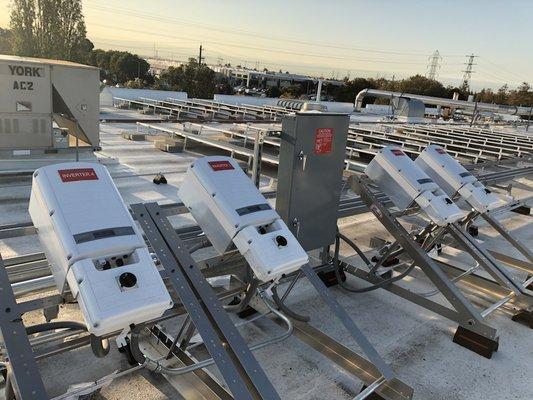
(337, 267)
(134, 346)
(287, 310)
(356, 248)
(50, 326)
(99, 346)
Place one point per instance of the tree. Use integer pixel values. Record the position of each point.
(125, 66)
(222, 84)
(273, 91)
(6, 41)
(419, 84)
(121, 67)
(348, 92)
(522, 96)
(49, 29)
(197, 80)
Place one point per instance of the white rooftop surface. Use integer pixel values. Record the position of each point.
(417, 343)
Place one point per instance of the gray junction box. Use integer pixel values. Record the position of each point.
(311, 162)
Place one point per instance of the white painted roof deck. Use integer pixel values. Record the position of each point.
(416, 342)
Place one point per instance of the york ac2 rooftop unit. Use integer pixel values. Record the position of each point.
(35, 93)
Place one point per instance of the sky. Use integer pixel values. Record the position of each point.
(335, 38)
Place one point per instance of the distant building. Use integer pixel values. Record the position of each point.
(265, 79)
(158, 65)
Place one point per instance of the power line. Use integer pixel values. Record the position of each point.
(271, 50)
(240, 32)
(519, 77)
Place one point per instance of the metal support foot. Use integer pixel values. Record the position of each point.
(525, 317)
(329, 278)
(475, 342)
(524, 210)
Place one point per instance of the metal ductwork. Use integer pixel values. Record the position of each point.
(439, 101)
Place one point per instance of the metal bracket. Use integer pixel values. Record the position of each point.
(22, 368)
(348, 323)
(464, 313)
(240, 369)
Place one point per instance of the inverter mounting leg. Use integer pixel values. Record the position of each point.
(22, 372)
(241, 371)
(347, 321)
(463, 311)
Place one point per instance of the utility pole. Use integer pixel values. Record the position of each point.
(433, 65)
(468, 70)
(200, 58)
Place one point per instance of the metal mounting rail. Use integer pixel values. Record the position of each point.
(348, 323)
(464, 313)
(23, 373)
(483, 257)
(236, 363)
(517, 244)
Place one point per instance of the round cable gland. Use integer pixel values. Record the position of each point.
(127, 280)
(281, 241)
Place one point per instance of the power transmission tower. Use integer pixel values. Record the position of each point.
(433, 65)
(468, 71)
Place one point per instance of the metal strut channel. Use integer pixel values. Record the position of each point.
(483, 257)
(464, 312)
(236, 363)
(22, 368)
(348, 323)
(521, 247)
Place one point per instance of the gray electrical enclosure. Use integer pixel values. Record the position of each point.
(35, 93)
(311, 162)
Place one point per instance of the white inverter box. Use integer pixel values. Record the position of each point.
(94, 247)
(454, 179)
(230, 209)
(406, 184)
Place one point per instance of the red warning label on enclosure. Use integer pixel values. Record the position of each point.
(78, 174)
(220, 165)
(397, 152)
(323, 140)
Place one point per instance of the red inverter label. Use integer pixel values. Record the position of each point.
(323, 140)
(397, 152)
(78, 174)
(220, 165)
